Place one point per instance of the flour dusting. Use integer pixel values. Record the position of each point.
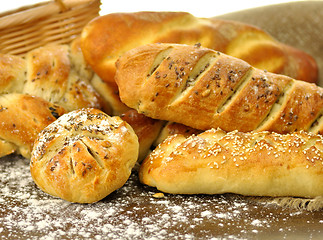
(133, 213)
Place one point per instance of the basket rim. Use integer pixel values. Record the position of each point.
(39, 10)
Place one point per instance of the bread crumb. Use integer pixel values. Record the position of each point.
(159, 195)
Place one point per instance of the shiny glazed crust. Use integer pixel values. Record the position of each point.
(107, 37)
(203, 89)
(253, 164)
(84, 156)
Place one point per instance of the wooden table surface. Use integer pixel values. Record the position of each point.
(133, 213)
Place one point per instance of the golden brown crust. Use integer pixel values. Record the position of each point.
(172, 128)
(151, 132)
(146, 129)
(51, 76)
(22, 117)
(110, 94)
(254, 164)
(12, 73)
(84, 156)
(56, 73)
(202, 88)
(107, 37)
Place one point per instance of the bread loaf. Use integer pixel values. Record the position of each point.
(22, 117)
(146, 129)
(151, 132)
(84, 156)
(252, 164)
(107, 37)
(203, 89)
(50, 73)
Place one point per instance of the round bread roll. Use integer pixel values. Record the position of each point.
(84, 156)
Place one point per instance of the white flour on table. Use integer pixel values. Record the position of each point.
(131, 212)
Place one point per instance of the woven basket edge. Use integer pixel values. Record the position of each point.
(37, 11)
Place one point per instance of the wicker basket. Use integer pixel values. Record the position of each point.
(33, 26)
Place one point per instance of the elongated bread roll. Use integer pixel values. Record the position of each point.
(253, 164)
(107, 37)
(203, 89)
(55, 73)
(46, 73)
(84, 156)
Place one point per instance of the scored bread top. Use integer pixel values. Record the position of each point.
(84, 155)
(203, 88)
(54, 73)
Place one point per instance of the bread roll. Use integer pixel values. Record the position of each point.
(107, 37)
(52, 73)
(252, 164)
(84, 156)
(22, 118)
(151, 132)
(146, 129)
(203, 89)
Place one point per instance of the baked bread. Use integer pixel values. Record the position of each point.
(251, 164)
(146, 129)
(151, 132)
(59, 77)
(172, 128)
(22, 117)
(203, 89)
(107, 90)
(84, 156)
(50, 73)
(107, 37)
